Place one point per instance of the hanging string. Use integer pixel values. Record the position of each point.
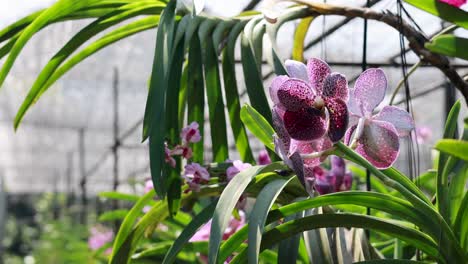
(413, 158)
(364, 67)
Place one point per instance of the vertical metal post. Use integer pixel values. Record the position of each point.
(55, 200)
(115, 149)
(84, 200)
(364, 67)
(70, 194)
(3, 214)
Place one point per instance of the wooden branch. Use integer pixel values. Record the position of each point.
(415, 38)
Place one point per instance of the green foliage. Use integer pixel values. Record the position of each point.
(449, 45)
(442, 10)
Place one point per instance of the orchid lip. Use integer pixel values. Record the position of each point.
(319, 103)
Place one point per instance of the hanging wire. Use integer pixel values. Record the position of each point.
(323, 43)
(364, 67)
(413, 157)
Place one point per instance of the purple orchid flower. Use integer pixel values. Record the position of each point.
(376, 136)
(190, 134)
(231, 172)
(335, 180)
(308, 95)
(195, 175)
(263, 158)
(99, 237)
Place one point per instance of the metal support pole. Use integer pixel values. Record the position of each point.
(70, 193)
(115, 148)
(84, 200)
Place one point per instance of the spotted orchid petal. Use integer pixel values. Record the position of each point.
(336, 86)
(297, 70)
(278, 124)
(349, 134)
(295, 94)
(306, 124)
(401, 119)
(353, 105)
(314, 146)
(338, 113)
(369, 89)
(379, 143)
(318, 70)
(275, 85)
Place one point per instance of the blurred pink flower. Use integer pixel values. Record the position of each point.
(203, 234)
(190, 134)
(195, 175)
(148, 186)
(455, 3)
(168, 157)
(99, 237)
(263, 158)
(423, 134)
(237, 166)
(182, 150)
(337, 179)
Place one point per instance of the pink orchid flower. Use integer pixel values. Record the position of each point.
(195, 175)
(335, 180)
(308, 96)
(148, 186)
(203, 234)
(237, 166)
(99, 237)
(190, 134)
(423, 134)
(263, 158)
(455, 3)
(168, 157)
(376, 136)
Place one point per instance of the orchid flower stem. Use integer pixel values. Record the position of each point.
(442, 231)
(317, 154)
(402, 81)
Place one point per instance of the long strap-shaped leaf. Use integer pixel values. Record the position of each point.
(442, 10)
(213, 92)
(257, 124)
(226, 204)
(57, 10)
(232, 95)
(154, 121)
(263, 203)
(288, 229)
(253, 80)
(188, 232)
(442, 179)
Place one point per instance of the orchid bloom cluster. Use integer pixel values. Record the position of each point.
(189, 134)
(314, 108)
(99, 237)
(337, 179)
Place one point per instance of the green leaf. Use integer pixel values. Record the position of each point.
(188, 232)
(154, 120)
(232, 96)
(288, 229)
(442, 10)
(456, 148)
(253, 80)
(461, 223)
(299, 36)
(449, 45)
(258, 125)
(128, 222)
(195, 94)
(113, 215)
(226, 204)
(442, 180)
(213, 92)
(288, 248)
(457, 189)
(120, 196)
(263, 203)
(317, 242)
(108, 39)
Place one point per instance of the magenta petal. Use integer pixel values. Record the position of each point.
(369, 89)
(296, 70)
(354, 105)
(338, 112)
(349, 133)
(275, 85)
(295, 94)
(278, 124)
(318, 70)
(307, 124)
(317, 145)
(336, 86)
(401, 119)
(379, 144)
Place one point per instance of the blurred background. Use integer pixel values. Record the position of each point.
(85, 132)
